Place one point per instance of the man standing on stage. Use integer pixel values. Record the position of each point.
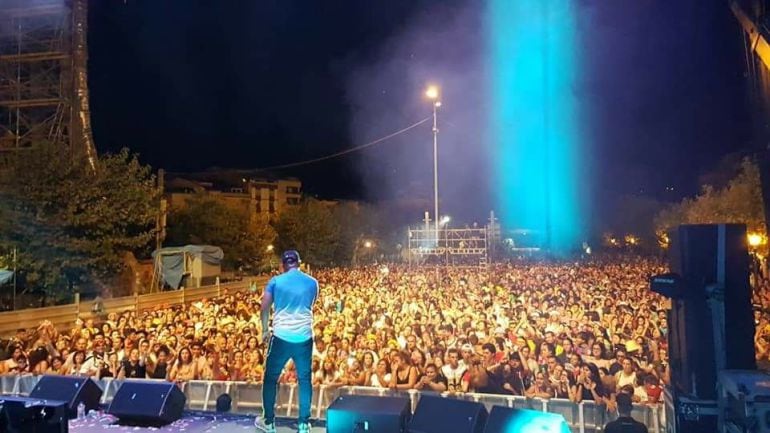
(293, 293)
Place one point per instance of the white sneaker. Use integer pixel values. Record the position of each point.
(303, 427)
(264, 427)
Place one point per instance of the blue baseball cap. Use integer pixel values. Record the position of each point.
(290, 257)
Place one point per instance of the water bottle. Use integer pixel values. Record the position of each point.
(81, 410)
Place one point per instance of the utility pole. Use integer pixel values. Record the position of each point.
(435, 168)
(160, 222)
(433, 94)
(15, 270)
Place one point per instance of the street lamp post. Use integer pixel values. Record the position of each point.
(444, 224)
(270, 248)
(15, 271)
(433, 94)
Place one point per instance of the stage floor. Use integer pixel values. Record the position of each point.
(191, 423)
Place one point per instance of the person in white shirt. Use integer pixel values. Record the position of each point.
(626, 376)
(453, 371)
(95, 361)
(380, 378)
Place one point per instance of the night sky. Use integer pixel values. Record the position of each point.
(244, 84)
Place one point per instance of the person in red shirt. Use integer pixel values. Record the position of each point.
(653, 389)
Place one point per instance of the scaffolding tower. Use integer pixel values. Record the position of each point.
(452, 246)
(44, 77)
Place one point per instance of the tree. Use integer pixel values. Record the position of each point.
(633, 215)
(73, 223)
(206, 220)
(311, 229)
(740, 201)
(357, 222)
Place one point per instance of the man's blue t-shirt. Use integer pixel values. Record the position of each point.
(294, 293)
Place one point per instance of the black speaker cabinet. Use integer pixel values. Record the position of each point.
(441, 415)
(69, 389)
(32, 415)
(507, 419)
(707, 256)
(684, 415)
(351, 413)
(147, 403)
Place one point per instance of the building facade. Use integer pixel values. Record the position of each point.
(257, 196)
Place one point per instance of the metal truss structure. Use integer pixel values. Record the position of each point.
(449, 244)
(43, 77)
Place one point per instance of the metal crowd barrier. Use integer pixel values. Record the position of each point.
(585, 417)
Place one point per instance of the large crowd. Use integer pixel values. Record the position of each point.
(581, 331)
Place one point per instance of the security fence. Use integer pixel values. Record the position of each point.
(585, 417)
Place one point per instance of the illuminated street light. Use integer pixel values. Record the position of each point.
(755, 239)
(368, 244)
(432, 92)
(270, 248)
(631, 240)
(445, 220)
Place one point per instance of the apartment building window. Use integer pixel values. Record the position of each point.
(292, 200)
(292, 190)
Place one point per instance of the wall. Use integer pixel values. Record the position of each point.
(63, 316)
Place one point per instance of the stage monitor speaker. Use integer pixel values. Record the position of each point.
(709, 256)
(32, 415)
(147, 403)
(507, 419)
(70, 389)
(364, 413)
(441, 415)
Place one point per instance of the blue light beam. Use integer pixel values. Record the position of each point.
(533, 120)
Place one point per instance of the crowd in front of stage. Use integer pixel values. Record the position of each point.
(579, 331)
